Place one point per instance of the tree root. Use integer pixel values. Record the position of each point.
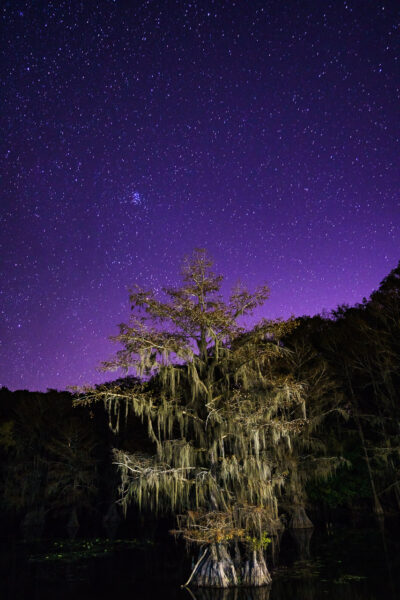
(255, 572)
(215, 568)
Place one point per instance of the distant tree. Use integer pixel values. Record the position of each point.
(383, 318)
(220, 413)
(317, 452)
(362, 346)
(71, 469)
(26, 430)
(49, 458)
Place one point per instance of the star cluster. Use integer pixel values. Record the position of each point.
(264, 131)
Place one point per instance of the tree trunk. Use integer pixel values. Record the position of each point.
(112, 520)
(378, 510)
(300, 519)
(302, 537)
(397, 494)
(214, 569)
(255, 572)
(73, 524)
(33, 523)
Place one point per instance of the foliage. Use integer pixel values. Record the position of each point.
(314, 456)
(71, 469)
(260, 543)
(7, 440)
(361, 345)
(344, 488)
(50, 454)
(220, 410)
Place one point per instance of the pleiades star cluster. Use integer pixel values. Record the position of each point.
(266, 132)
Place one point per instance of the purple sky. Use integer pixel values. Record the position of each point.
(132, 132)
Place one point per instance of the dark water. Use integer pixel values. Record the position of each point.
(359, 564)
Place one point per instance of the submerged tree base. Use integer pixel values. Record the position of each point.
(255, 573)
(215, 569)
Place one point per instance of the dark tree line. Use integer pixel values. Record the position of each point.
(361, 344)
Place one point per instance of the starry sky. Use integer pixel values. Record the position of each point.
(132, 132)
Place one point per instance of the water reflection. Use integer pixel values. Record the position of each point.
(347, 564)
(262, 593)
(289, 590)
(315, 590)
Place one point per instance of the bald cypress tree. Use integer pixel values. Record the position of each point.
(219, 413)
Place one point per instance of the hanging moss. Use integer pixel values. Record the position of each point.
(220, 409)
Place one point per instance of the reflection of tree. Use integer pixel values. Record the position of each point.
(314, 589)
(250, 593)
(310, 589)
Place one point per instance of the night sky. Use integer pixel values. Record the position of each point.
(133, 132)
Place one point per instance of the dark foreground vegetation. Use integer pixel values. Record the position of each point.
(230, 434)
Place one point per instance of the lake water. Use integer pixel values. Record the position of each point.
(358, 564)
